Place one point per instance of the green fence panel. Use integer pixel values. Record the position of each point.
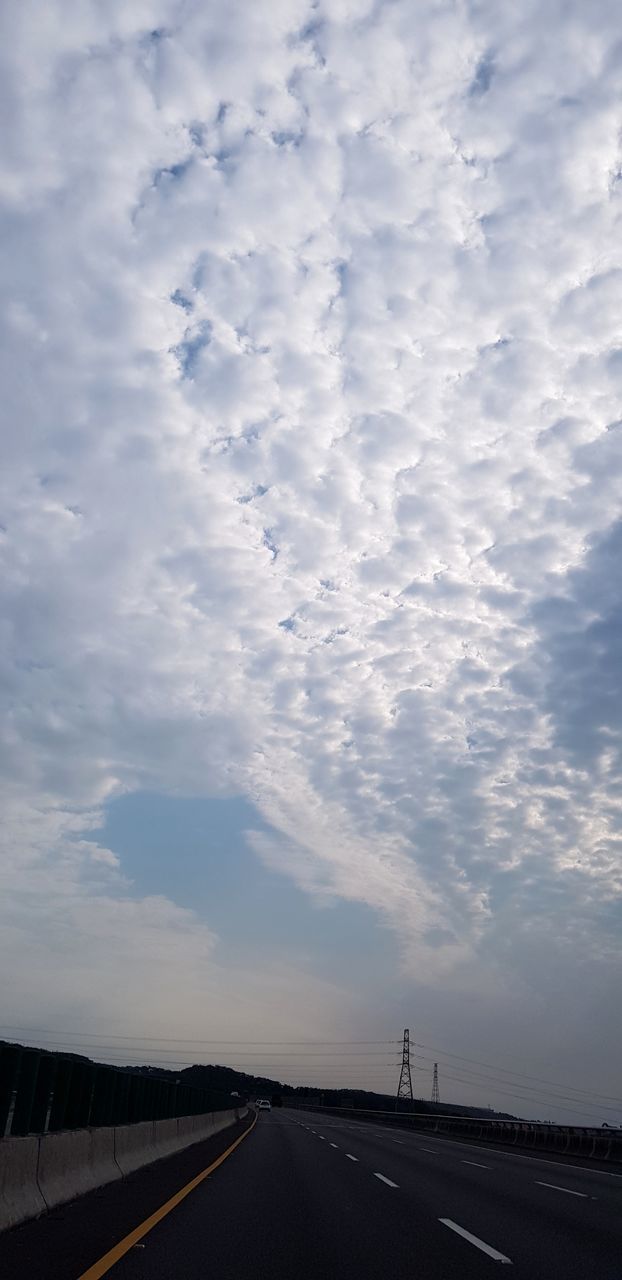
(62, 1083)
(102, 1103)
(26, 1086)
(120, 1105)
(149, 1098)
(79, 1097)
(43, 1093)
(161, 1105)
(10, 1058)
(136, 1099)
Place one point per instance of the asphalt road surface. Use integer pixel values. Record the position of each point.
(311, 1197)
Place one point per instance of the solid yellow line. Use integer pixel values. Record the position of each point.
(109, 1259)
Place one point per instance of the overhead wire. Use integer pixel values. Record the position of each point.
(556, 1084)
(480, 1078)
(543, 1102)
(94, 1035)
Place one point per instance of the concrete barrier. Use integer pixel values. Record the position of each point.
(196, 1128)
(168, 1138)
(222, 1119)
(20, 1197)
(136, 1145)
(74, 1162)
(39, 1173)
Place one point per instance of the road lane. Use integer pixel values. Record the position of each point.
(503, 1153)
(596, 1174)
(504, 1205)
(287, 1206)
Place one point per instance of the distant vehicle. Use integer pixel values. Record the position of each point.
(263, 1104)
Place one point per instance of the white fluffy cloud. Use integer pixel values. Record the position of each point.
(311, 351)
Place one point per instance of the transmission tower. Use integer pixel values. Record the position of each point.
(405, 1086)
(435, 1093)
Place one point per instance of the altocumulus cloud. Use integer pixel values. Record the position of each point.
(313, 466)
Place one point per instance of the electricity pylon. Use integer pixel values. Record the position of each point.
(435, 1092)
(405, 1086)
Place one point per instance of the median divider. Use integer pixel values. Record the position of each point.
(38, 1173)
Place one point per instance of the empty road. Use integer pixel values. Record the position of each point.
(306, 1196)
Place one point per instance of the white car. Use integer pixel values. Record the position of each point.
(263, 1104)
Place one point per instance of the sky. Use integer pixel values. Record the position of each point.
(310, 538)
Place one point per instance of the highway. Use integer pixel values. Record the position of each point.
(310, 1196)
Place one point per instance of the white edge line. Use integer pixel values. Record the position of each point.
(479, 1244)
(349, 1157)
(387, 1180)
(554, 1187)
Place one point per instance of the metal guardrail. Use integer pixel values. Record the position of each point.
(42, 1092)
(582, 1140)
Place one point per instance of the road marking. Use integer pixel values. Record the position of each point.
(387, 1180)
(119, 1250)
(479, 1244)
(399, 1141)
(554, 1187)
(475, 1164)
(430, 1151)
(321, 1137)
(498, 1151)
(348, 1157)
(519, 1155)
(334, 1144)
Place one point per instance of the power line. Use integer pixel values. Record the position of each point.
(83, 1045)
(95, 1035)
(523, 1074)
(543, 1102)
(479, 1077)
(125, 1057)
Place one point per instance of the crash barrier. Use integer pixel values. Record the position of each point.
(42, 1092)
(38, 1173)
(575, 1140)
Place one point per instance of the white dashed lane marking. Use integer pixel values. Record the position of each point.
(479, 1244)
(349, 1157)
(475, 1164)
(387, 1180)
(554, 1187)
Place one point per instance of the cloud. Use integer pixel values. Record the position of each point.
(313, 471)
